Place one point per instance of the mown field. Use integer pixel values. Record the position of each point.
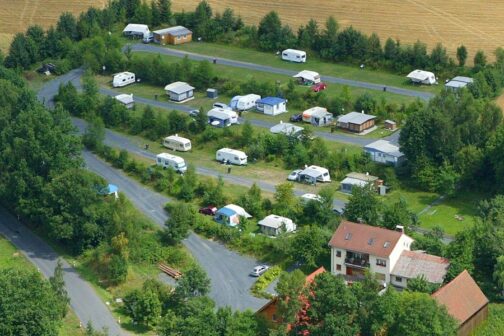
(476, 24)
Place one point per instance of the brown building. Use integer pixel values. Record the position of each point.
(356, 122)
(173, 35)
(464, 301)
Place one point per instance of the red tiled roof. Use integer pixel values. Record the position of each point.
(462, 297)
(357, 237)
(311, 277)
(416, 263)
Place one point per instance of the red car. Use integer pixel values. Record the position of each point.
(319, 87)
(208, 210)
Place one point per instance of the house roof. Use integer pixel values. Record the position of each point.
(220, 113)
(274, 221)
(412, 264)
(362, 177)
(462, 297)
(355, 118)
(307, 74)
(352, 181)
(313, 171)
(136, 28)
(125, 98)
(271, 101)
(384, 146)
(420, 75)
(459, 82)
(285, 128)
(178, 87)
(174, 31)
(364, 238)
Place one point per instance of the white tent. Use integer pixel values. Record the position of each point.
(239, 210)
(422, 77)
(307, 76)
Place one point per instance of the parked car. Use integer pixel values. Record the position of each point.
(222, 106)
(194, 113)
(148, 39)
(209, 210)
(296, 118)
(319, 87)
(259, 270)
(294, 175)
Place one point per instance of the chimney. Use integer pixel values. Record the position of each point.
(399, 228)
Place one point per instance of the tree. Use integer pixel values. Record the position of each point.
(289, 288)
(67, 26)
(203, 75)
(363, 206)
(118, 269)
(286, 202)
(19, 56)
(95, 134)
(498, 273)
(180, 221)
(164, 10)
(420, 284)
(462, 55)
(309, 245)
(270, 32)
(143, 306)
(214, 193)
(480, 60)
(252, 201)
(188, 184)
(28, 305)
(193, 283)
(247, 134)
(58, 285)
(397, 214)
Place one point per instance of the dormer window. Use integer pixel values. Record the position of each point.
(348, 236)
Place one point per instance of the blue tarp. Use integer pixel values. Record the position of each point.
(271, 101)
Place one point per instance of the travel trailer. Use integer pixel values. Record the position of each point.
(123, 78)
(294, 55)
(166, 160)
(231, 156)
(177, 143)
(243, 103)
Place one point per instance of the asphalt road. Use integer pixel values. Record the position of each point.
(227, 270)
(83, 299)
(150, 48)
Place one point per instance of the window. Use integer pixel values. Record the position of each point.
(381, 262)
(398, 279)
(338, 254)
(348, 236)
(273, 317)
(338, 267)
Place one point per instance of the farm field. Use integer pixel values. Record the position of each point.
(476, 24)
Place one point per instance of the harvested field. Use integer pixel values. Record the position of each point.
(17, 15)
(474, 23)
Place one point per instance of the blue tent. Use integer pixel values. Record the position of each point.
(227, 216)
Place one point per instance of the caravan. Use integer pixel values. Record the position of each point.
(294, 55)
(166, 160)
(231, 156)
(123, 78)
(177, 143)
(243, 103)
(219, 117)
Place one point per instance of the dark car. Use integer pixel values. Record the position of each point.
(296, 118)
(208, 210)
(319, 87)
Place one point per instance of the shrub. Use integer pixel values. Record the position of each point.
(265, 280)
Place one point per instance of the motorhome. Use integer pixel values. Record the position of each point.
(177, 143)
(231, 156)
(243, 103)
(294, 55)
(123, 78)
(166, 160)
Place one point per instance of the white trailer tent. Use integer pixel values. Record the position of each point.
(422, 77)
(166, 160)
(286, 129)
(383, 151)
(243, 103)
(273, 225)
(458, 82)
(179, 91)
(123, 78)
(126, 99)
(307, 77)
(314, 174)
(317, 116)
(136, 30)
(220, 117)
(294, 55)
(177, 143)
(231, 156)
(272, 105)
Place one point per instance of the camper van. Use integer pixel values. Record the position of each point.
(123, 78)
(232, 156)
(166, 160)
(177, 143)
(294, 55)
(243, 103)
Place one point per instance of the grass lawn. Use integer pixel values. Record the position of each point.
(313, 63)
(494, 325)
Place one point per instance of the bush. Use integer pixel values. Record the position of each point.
(265, 280)
(118, 269)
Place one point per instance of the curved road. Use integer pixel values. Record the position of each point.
(83, 299)
(257, 67)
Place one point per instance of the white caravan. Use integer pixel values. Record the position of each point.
(294, 55)
(243, 103)
(177, 143)
(166, 160)
(123, 78)
(232, 156)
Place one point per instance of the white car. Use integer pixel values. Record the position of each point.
(259, 270)
(294, 176)
(194, 113)
(222, 106)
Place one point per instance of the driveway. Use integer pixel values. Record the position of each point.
(86, 304)
(257, 67)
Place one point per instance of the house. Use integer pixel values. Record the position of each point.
(422, 77)
(227, 217)
(390, 125)
(173, 35)
(286, 129)
(136, 30)
(356, 248)
(317, 116)
(273, 225)
(220, 117)
(356, 122)
(272, 105)
(356, 179)
(464, 301)
(314, 174)
(307, 77)
(412, 264)
(126, 99)
(179, 91)
(458, 82)
(383, 151)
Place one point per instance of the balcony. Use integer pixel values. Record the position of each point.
(357, 261)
